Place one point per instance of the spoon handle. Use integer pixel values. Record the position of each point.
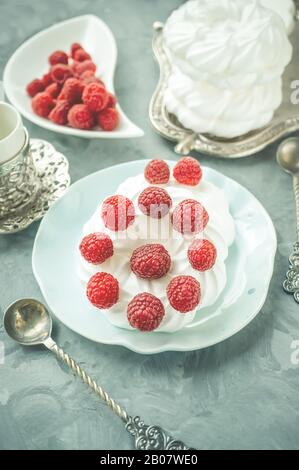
(147, 437)
(296, 192)
(72, 364)
(291, 283)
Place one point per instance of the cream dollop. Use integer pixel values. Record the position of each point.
(228, 43)
(204, 108)
(220, 230)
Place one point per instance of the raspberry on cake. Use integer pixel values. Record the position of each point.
(145, 312)
(157, 172)
(187, 171)
(102, 290)
(96, 247)
(165, 276)
(151, 261)
(202, 254)
(118, 213)
(154, 202)
(183, 293)
(189, 216)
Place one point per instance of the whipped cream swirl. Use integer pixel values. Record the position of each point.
(220, 231)
(229, 43)
(204, 108)
(285, 9)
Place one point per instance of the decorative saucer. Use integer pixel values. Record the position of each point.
(53, 173)
(285, 120)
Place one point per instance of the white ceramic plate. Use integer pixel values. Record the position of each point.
(30, 61)
(249, 266)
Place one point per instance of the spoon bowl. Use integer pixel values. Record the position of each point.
(288, 155)
(28, 322)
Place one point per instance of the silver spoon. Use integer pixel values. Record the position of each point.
(28, 322)
(288, 159)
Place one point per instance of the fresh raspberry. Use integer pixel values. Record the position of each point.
(47, 79)
(118, 213)
(74, 47)
(72, 90)
(87, 74)
(112, 100)
(42, 104)
(150, 261)
(89, 77)
(157, 172)
(183, 293)
(189, 216)
(80, 67)
(58, 57)
(61, 96)
(154, 202)
(59, 114)
(108, 119)
(80, 55)
(96, 248)
(95, 97)
(60, 72)
(102, 290)
(81, 117)
(145, 312)
(53, 89)
(202, 254)
(35, 87)
(187, 171)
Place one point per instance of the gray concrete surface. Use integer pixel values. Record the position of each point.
(240, 394)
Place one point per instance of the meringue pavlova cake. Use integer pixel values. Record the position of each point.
(284, 8)
(154, 253)
(228, 57)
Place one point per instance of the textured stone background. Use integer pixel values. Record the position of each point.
(243, 393)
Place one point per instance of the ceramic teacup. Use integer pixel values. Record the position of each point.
(12, 134)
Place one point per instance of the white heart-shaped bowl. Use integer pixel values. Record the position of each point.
(30, 61)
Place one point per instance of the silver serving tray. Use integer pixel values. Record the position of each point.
(285, 120)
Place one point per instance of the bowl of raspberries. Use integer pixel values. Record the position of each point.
(71, 94)
(74, 93)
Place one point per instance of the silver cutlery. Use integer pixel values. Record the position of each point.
(288, 159)
(29, 323)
